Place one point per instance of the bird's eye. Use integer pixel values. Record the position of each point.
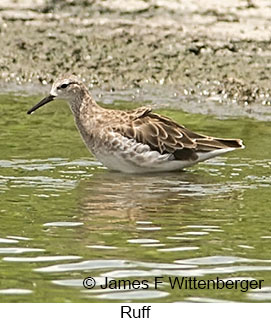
(63, 86)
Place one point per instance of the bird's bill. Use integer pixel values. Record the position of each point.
(41, 103)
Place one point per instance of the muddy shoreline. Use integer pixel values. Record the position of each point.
(196, 50)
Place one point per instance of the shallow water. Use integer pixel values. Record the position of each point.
(65, 217)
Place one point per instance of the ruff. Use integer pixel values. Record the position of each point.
(136, 141)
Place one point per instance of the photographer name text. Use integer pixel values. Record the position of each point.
(184, 283)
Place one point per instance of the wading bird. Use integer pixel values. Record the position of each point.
(137, 141)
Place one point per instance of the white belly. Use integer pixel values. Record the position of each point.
(129, 156)
(145, 163)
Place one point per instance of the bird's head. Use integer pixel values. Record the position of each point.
(68, 88)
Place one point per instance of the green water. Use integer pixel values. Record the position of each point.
(64, 217)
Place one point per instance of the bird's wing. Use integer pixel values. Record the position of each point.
(167, 136)
(160, 133)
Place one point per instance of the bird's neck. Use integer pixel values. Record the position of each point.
(88, 116)
(84, 106)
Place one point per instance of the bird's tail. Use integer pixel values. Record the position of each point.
(209, 144)
(211, 147)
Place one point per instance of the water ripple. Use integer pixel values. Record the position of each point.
(15, 291)
(143, 241)
(218, 260)
(63, 224)
(178, 249)
(46, 164)
(19, 250)
(133, 295)
(40, 258)
(206, 300)
(4, 240)
(85, 265)
(260, 295)
(44, 182)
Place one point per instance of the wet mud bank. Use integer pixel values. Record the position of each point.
(197, 50)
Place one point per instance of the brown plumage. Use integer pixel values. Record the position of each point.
(166, 136)
(137, 140)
